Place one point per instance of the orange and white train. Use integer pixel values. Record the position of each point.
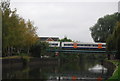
(74, 45)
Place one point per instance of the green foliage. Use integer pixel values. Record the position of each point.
(39, 49)
(106, 30)
(113, 41)
(104, 27)
(116, 73)
(65, 39)
(110, 43)
(17, 33)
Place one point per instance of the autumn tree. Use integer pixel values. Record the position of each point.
(4, 7)
(30, 36)
(17, 33)
(0, 23)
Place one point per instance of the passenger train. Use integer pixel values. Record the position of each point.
(77, 45)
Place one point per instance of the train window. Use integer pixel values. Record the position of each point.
(85, 45)
(91, 45)
(82, 45)
(79, 44)
(94, 45)
(68, 44)
(88, 45)
(54, 44)
(103, 45)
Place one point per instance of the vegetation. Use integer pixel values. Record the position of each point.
(20, 38)
(65, 39)
(116, 73)
(19, 35)
(113, 41)
(107, 29)
(39, 48)
(104, 27)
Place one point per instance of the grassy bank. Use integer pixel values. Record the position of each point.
(116, 74)
(14, 57)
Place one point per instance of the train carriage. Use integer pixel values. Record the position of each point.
(78, 45)
(81, 45)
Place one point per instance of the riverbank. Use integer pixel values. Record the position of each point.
(18, 61)
(116, 73)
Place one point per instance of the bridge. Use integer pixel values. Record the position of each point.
(71, 47)
(80, 51)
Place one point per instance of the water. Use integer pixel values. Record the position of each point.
(81, 69)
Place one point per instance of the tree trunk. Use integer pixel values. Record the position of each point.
(8, 51)
(108, 56)
(28, 50)
(11, 51)
(18, 51)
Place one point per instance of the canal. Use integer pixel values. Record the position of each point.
(82, 69)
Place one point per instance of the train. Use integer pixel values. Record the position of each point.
(76, 45)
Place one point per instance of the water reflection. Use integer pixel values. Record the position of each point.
(98, 69)
(78, 69)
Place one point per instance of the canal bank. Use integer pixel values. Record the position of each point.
(110, 66)
(27, 61)
(116, 73)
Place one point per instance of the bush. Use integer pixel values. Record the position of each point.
(39, 49)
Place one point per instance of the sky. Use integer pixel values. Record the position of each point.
(59, 18)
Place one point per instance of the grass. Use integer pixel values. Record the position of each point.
(116, 74)
(17, 56)
(10, 57)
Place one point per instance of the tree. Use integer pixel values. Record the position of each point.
(39, 48)
(113, 41)
(116, 38)
(17, 33)
(30, 35)
(104, 27)
(4, 7)
(0, 30)
(65, 39)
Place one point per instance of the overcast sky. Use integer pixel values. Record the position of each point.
(71, 18)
